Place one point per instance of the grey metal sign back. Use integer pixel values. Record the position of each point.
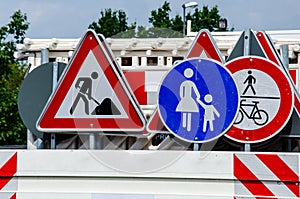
(246, 45)
(35, 91)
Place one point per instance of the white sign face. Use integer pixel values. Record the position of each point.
(259, 99)
(89, 89)
(266, 99)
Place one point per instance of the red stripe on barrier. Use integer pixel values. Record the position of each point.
(293, 187)
(4, 181)
(8, 170)
(10, 167)
(281, 170)
(278, 167)
(14, 196)
(241, 172)
(255, 186)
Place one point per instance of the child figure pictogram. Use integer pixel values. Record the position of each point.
(209, 112)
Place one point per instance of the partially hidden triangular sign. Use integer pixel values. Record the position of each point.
(272, 55)
(92, 94)
(247, 44)
(155, 125)
(204, 46)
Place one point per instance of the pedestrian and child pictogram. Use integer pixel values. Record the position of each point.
(198, 100)
(204, 46)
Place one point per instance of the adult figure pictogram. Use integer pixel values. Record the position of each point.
(84, 84)
(250, 80)
(187, 105)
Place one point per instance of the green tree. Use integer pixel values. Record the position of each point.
(163, 24)
(177, 23)
(12, 130)
(160, 18)
(205, 19)
(201, 19)
(111, 23)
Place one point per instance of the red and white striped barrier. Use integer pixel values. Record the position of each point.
(85, 174)
(8, 169)
(266, 175)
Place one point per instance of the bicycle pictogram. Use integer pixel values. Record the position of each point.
(259, 116)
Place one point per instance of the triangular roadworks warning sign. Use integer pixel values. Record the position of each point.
(92, 94)
(204, 46)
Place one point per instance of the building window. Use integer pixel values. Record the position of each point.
(126, 61)
(152, 61)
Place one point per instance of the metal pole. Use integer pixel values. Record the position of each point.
(183, 7)
(284, 54)
(247, 42)
(44, 55)
(92, 140)
(54, 84)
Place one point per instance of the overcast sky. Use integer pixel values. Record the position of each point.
(70, 18)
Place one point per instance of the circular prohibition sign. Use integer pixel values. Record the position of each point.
(266, 99)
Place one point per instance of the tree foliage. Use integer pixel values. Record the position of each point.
(12, 130)
(114, 23)
(205, 19)
(163, 24)
(160, 18)
(111, 22)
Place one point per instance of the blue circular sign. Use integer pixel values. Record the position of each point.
(198, 100)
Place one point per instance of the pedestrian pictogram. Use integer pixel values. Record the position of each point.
(198, 100)
(266, 99)
(92, 95)
(250, 81)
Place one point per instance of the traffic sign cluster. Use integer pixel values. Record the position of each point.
(249, 98)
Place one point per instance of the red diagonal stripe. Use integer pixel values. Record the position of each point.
(4, 181)
(10, 167)
(278, 167)
(14, 196)
(255, 186)
(240, 171)
(293, 187)
(281, 170)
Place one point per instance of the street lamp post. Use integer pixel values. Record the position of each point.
(192, 4)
